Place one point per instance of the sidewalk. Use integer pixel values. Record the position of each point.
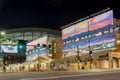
(94, 70)
(81, 70)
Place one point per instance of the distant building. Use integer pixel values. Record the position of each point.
(32, 37)
(30, 33)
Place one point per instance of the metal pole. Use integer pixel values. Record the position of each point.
(78, 58)
(89, 45)
(65, 60)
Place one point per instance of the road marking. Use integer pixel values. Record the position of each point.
(65, 76)
(55, 77)
(97, 79)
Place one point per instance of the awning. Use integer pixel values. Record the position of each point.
(58, 60)
(43, 58)
(86, 59)
(116, 57)
(102, 57)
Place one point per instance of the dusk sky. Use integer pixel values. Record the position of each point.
(49, 13)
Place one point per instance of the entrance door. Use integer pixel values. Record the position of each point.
(103, 64)
(115, 63)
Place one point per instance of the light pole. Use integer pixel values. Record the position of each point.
(65, 63)
(89, 47)
(65, 57)
(2, 33)
(78, 58)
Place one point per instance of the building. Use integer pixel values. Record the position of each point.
(12, 38)
(30, 34)
(93, 42)
(57, 62)
(57, 48)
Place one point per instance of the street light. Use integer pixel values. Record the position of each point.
(2, 33)
(64, 53)
(78, 57)
(65, 61)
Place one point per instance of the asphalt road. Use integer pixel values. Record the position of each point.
(61, 75)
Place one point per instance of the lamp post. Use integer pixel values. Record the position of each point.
(89, 47)
(78, 58)
(2, 33)
(65, 56)
(65, 63)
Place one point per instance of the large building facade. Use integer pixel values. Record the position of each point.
(92, 42)
(30, 34)
(32, 37)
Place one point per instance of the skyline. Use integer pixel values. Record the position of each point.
(48, 13)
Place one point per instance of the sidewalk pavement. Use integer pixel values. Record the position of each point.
(95, 70)
(81, 70)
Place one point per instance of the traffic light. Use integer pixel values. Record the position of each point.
(90, 53)
(107, 55)
(78, 58)
(21, 46)
(9, 41)
(44, 45)
(49, 47)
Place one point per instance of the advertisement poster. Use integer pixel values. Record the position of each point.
(94, 33)
(9, 49)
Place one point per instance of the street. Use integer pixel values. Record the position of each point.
(64, 75)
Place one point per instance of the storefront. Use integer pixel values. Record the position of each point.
(43, 62)
(101, 60)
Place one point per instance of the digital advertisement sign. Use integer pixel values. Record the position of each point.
(9, 49)
(9, 46)
(32, 57)
(41, 41)
(95, 32)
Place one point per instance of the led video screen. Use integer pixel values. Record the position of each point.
(41, 41)
(32, 57)
(9, 49)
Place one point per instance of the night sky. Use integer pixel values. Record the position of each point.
(49, 13)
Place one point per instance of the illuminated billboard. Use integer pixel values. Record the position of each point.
(32, 57)
(9, 49)
(41, 41)
(100, 27)
(9, 46)
(103, 42)
(101, 22)
(68, 32)
(95, 32)
(79, 29)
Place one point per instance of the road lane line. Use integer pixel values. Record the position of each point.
(55, 77)
(65, 76)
